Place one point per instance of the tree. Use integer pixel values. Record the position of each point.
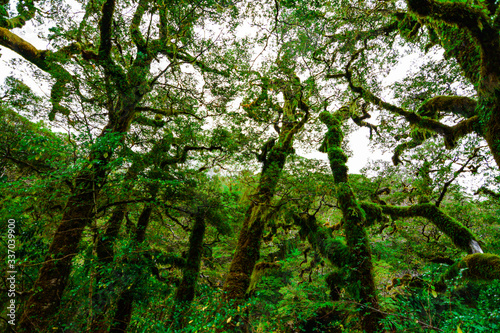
(119, 55)
(273, 157)
(160, 186)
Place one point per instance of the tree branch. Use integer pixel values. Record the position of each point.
(458, 233)
(105, 26)
(450, 133)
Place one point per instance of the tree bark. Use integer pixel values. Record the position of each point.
(187, 288)
(273, 158)
(53, 276)
(124, 306)
(360, 277)
(105, 255)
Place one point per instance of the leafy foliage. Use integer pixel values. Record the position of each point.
(162, 161)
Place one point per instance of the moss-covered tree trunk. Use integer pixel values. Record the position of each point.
(187, 288)
(78, 213)
(478, 33)
(125, 85)
(250, 237)
(273, 157)
(360, 276)
(131, 87)
(53, 276)
(105, 254)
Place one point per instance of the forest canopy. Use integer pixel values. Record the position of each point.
(182, 166)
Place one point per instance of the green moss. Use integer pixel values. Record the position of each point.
(360, 282)
(460, 235)
(482, 266)
(478, 267)
(373, 213)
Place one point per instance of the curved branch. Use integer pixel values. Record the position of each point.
(455, 175)
(460, 235)
(26, 11)
(466, 17)
(182, 156)
(164, 112)
(451, 134)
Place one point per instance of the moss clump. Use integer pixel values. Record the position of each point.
(482, 266)
(373, 213)
(478, 267)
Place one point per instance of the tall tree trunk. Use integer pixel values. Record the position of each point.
(105, 255)
(273, 158)
(53, 277)
(360, 279)
(248, 248)
(123, 313)
(125, 302)
(104, 247)
(187, 288)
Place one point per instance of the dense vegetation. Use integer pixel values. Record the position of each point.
(182, 166)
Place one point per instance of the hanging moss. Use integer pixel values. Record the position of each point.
(321, 239)
(260, 269)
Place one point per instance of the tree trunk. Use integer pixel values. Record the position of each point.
(248, 249)
(187, 288)
(123, 312)
(273, 157)
(361, 284)
(105, 255)
(53, 276)
(124, 306)
(52, 279)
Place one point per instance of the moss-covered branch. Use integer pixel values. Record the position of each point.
(466, 17)
(135, 32)
(460, 235)
(165, 112)
(105, 28)
(26, 11)
(321, 239)
(479, 266)
(355, 35)
(457, 105)
(437, 106)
